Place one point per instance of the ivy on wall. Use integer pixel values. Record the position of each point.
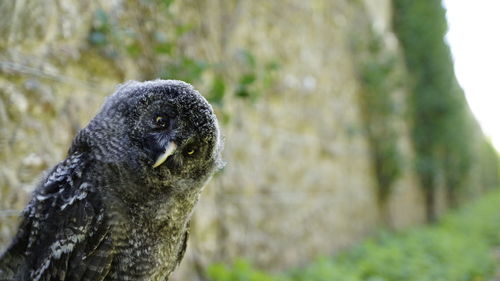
(375, 67)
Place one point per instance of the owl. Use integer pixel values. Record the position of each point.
(118, 207)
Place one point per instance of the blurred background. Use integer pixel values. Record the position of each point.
(341, 118)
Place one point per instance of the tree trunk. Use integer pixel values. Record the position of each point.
(430, 204)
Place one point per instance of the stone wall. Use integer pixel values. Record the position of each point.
(299, 181)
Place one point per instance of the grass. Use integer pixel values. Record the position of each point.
(458, 248)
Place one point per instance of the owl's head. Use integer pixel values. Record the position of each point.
(163, 130)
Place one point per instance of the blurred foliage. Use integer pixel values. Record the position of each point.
(443, 133)
(241, 271)
(490, 165)
(379, 80)
(458, 249)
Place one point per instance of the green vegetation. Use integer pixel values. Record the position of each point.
(379, 81)
(459, 248)
(443, 129)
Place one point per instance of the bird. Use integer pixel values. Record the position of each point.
(119, 206)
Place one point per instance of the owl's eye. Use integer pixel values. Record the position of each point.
(191, 151)
(162, 122)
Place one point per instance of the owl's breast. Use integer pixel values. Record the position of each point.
(149, 248)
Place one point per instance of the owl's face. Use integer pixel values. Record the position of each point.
(167, 131)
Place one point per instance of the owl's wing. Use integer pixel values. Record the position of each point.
(11, 259)
(64, 234)
(75, 245)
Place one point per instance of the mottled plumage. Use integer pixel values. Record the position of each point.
(118, 207)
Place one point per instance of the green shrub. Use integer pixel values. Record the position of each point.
(457, 249)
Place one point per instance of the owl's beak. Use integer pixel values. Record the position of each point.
(169, 150)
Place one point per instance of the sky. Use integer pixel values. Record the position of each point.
(474, 39)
